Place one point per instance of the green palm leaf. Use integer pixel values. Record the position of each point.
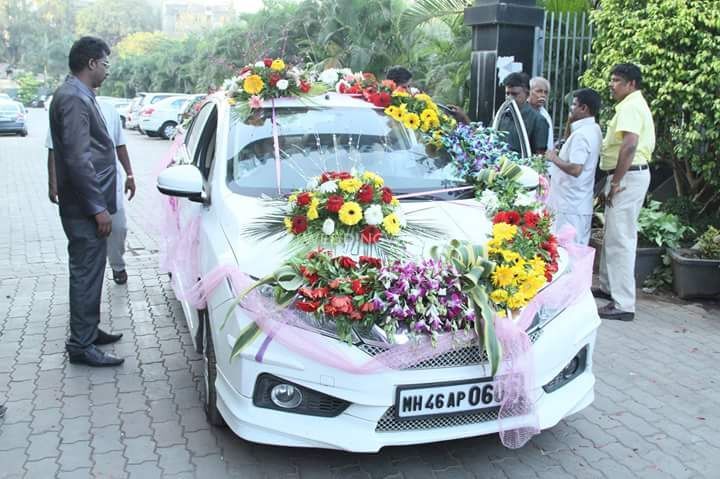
(424, 11)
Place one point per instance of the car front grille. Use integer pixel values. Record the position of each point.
(389, 423)
(466, 356)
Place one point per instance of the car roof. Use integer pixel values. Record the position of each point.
(173, 98)
(326, 100)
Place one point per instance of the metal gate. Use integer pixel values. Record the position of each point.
(563, 53)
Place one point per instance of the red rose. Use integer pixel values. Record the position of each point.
(365, 194)
(370, 234)
(531, 219)
(307, 306)
(303, 199)
(304, 86)
(357, 287)
(370, 261)
(334, 203)
(342, 88)
(355, 89)
(369, 92)
(501, 217)
(513, 217)
(372, 97)
(267, 62)
(299, 224)
(387, 195)
(341, 304)
(346, 262)
(339, 175)
(368, 307)
(383, 100)
(274, 78)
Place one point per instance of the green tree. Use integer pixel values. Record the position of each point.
(112, 20)
(28, 87)
(675, 42)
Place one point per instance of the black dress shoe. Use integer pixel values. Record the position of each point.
(599, 293)
(611, 312)
(106, 338)
(120, 277)
(92, 356)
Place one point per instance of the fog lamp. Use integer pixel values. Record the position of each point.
(286, 396)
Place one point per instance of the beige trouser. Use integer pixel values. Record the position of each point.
(617, 259)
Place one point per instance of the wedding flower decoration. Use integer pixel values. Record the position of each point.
(525, 253)
(419, 112)
(268, 79)
(344, 208)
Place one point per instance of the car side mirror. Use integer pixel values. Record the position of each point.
(184, 181)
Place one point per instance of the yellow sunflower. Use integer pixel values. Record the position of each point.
(528, 289)
(516, 301)
(253, 84)
(350, 213)
(411, 121)
(400, 93)
(391, 223)
(503, 276)
(499, 296)
(277, 65)
(350, 185)
(375, 178)
(423, 97)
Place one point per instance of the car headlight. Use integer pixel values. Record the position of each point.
(543, 317)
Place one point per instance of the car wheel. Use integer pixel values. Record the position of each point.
(151, 135)
(23, 133)
(212, 413)
(167, 130)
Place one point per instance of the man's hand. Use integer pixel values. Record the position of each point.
(459, 114)
(104, 224)
(551, 155)
(615, 189)
(130, 186)
(52, 193)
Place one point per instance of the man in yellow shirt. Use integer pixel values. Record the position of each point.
(626, 152)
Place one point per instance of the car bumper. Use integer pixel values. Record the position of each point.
(359, 427)
(150, 124)
(12, 127)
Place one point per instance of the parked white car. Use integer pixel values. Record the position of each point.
(161, 118)
(142, 100)
(223, 168)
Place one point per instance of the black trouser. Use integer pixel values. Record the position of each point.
(87, 255)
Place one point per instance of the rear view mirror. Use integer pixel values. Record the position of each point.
(184, 181)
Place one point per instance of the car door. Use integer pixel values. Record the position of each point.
(197, 149)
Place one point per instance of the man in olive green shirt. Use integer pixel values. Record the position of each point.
(626, 151)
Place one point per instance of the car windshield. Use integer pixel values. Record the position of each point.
(9, 109)
(313, 140)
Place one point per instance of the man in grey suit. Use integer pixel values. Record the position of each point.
(86, 172)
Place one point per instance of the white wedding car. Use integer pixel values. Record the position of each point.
(222, 171)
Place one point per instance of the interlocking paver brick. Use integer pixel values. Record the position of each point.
(75, 455)
(13, 436)
(168, 433)
(110, 465)
(74, 429)
(12, 463)
(139, 449)
(105, 415)
(106, 439)
(44, 468)
(135, 424)
(174, 459)
(43, 445)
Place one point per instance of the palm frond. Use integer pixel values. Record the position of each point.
(426, 10)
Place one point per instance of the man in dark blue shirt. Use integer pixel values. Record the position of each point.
(85, 171)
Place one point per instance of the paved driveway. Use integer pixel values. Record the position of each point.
(657, 412)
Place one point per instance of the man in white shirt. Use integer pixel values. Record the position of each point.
(118, 234)
(571, 187)
(539, 91)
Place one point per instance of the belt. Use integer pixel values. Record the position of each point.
(632, 168)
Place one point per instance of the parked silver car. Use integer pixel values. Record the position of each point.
(13, 118)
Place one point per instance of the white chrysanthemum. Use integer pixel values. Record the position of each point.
(282, 84)
(313, 183)
(328, 227)
(329, 77)
(489, 201)
(345, 72)
(373, 215)
(295, 73)
(260, 65)
(329, 187)
(524, 199)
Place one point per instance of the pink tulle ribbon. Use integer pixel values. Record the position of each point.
(276, 150)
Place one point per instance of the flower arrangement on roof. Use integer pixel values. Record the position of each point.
(268, 79)
(525, 254)
(420, 112)
(339, 208)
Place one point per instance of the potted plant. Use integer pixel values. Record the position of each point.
(657, 230)
(696, 271)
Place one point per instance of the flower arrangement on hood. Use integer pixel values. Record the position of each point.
(343, 208)
(419, 112)
(267, 79)
(525, 253)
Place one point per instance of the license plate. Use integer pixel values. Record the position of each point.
(442, 399)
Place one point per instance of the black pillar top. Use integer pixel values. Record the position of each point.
(511, 12)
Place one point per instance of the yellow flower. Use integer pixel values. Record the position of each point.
(520, 273)
(503, 276)
(375, 178)
(516, 301)
(350, 213)
(423, 97)
(350, 185)
(253, 84)
(312, 213)
(428, 115)
(537, 280)
(504, 231)
(277, 65)
(391, 223)
(538, 265)
(394, 201)
(400, 93)
(292, 198)
(528, 289)
(499, 296)
(510, 256)
(494, 244)
(411, 120)
(288, 223)
(232, 101)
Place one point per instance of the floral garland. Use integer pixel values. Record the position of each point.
(419, 111)
(265, 80)
(525, 254)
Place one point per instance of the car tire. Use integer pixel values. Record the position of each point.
(23, 133)
(212, 413)
(167, 130)
(151, 135)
